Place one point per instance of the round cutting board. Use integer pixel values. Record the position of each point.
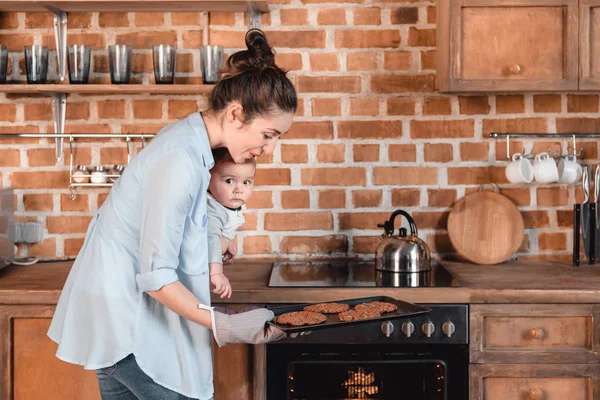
(485, 228)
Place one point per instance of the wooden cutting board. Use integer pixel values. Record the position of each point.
(485, 228)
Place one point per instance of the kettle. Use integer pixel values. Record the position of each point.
(402, 253)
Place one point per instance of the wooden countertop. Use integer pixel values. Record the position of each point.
(515, 282)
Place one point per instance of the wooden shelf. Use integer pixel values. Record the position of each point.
(106, 89)
(131, 5)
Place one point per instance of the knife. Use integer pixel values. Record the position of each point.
(585, 211)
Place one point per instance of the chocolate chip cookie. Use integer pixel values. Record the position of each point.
(328, 308)
(299, 318)
(357, 315)
(378, 306)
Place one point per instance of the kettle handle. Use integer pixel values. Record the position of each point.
(388, 226)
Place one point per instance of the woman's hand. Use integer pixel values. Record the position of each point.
(246, 327)
(222, 285)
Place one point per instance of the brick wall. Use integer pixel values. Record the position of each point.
(371, 133)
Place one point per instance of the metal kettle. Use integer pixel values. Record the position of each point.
(402, 253)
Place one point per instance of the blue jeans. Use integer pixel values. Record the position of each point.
(126, 381)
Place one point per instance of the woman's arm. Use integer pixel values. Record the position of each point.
(177, 298)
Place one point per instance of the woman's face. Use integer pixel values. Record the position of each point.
(258, 137)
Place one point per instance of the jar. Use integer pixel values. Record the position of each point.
(116, 170)
(99, 175)
(81, 174)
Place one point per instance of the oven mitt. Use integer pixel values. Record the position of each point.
(245, 327)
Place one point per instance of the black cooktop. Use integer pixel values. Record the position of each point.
(354, 274)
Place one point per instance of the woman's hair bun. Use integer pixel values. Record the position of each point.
(258, 56)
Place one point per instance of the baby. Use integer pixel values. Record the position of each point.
(230, 187)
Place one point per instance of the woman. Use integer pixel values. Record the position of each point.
(134, 307)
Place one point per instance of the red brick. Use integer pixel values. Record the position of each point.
(474, 151)
(535, 219)
(402, 83)
(10, 158)
(251, 222)
(324, 107)
(9, 20)
(402, 152)
(101, 199)
(438, 152)
(421, 37)
(80, 203)
(428, 60)
(113, 155)
(38, 202)
(431, 15)
(582, 103)
(293, 16)
(367, 16)
(468, 175)
(146, 39)
(323, 62)
(365, 152)
(294, 153)
(431, 220)
(193, 18)
(310, 130)
(361, 220)
(78, 110)
(221, 18)
(401, 106)
(39, 180)
(46, 249)
(8, 112)
(181, 108)
(113, 20)
(518, 125)
(147, 109)
(72, 246)
(440, 243)
(261, 199)
(149, 19)
(404, 15)
(332, 198)
(67, 224)
(289, 61)
(519, 196)
(367, 198)
(370, 129)
(513, 104)
(442, 129)
(192, 39)
(564, 218)
(298, 221)
(16, 41)
(331, 1)
(471, 105)
(272, 176)
(437, 106)
(365, 244)
(367, 38)
(96, 41)
(368, 106)
(331, 153)
(37, 111)
(297, 39)
(397, 60)
(314, 244)
(361, 61)
(349, 176)
(406, 197)
(295, 199)
(552, 241)
(441, 197)
(328, 84)
(141, 128)
(552, 197)
(41, 157)
(547, 103)
(331, 16)
(38, 20)
(399, 176)
(227, 38)
(257, 245)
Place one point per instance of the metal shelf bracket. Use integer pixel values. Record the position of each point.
(60, 37)
(254, 16)
(59, 112)
(572, 136)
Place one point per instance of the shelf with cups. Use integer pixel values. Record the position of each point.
(100, 89)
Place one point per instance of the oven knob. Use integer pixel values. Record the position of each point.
(387, 328)
(408, 328)
(448, 328)
(428, 328)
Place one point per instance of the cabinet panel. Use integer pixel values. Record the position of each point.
(506, 45)
(589, 45)
(535, 382)
(31, 370)
(558, 333)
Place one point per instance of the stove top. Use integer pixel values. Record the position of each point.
(354, 274)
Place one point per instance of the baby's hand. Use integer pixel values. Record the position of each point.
(222, 285)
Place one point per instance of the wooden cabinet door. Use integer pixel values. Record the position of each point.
(589, 45)
(535, 333)
(507, 45)
(29, 369)
(534, 382)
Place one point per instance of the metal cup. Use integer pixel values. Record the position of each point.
(36, 63)
(79, 63)
(119, 57)
(164, 63)
(3, 63)
(211, 58)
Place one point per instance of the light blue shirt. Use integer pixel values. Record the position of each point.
(150, 232)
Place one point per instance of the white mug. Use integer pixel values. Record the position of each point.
(545, 169)
(519, 170)
(569, 170)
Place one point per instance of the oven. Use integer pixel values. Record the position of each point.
(418, 358)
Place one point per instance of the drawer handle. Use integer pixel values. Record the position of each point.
(538, 333)
(515, 69)
(536, 394)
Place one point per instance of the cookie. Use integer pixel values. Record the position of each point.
(357, 315)
(378, 306)
(327, 308)
(299, 318)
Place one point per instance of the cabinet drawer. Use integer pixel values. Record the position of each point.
(534, 382)
(529, 333)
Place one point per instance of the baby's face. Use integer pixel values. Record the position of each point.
(231, 184)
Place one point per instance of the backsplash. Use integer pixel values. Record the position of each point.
(371, 134)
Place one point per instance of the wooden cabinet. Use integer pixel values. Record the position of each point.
(29, 369)
(507, 45)
(589, 44)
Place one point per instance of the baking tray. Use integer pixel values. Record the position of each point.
(404, 310)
